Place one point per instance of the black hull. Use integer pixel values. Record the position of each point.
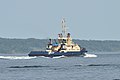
(55, 54)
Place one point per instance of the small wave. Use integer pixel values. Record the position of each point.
(100, 65)
(78, 65)
(93, 65)
(38, 66)
(104, 65)
(116, 79)
(16, 57)
(96, 65)
(90, 55)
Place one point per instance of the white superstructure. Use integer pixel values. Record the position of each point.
(64, 42)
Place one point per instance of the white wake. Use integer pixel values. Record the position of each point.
(57, 57)
(16, 57)
(90, 55)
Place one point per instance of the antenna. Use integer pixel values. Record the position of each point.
(64, 27)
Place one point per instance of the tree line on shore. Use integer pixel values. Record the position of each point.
(27, 45)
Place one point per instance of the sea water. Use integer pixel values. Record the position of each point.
(105, 66)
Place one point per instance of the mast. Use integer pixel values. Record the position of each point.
(64, 28)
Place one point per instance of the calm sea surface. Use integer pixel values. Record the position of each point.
(103, 67)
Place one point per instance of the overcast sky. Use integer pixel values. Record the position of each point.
(86, 19)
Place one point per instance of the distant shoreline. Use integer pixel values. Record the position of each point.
(14, 46)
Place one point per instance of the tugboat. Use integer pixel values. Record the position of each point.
(63, 46)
